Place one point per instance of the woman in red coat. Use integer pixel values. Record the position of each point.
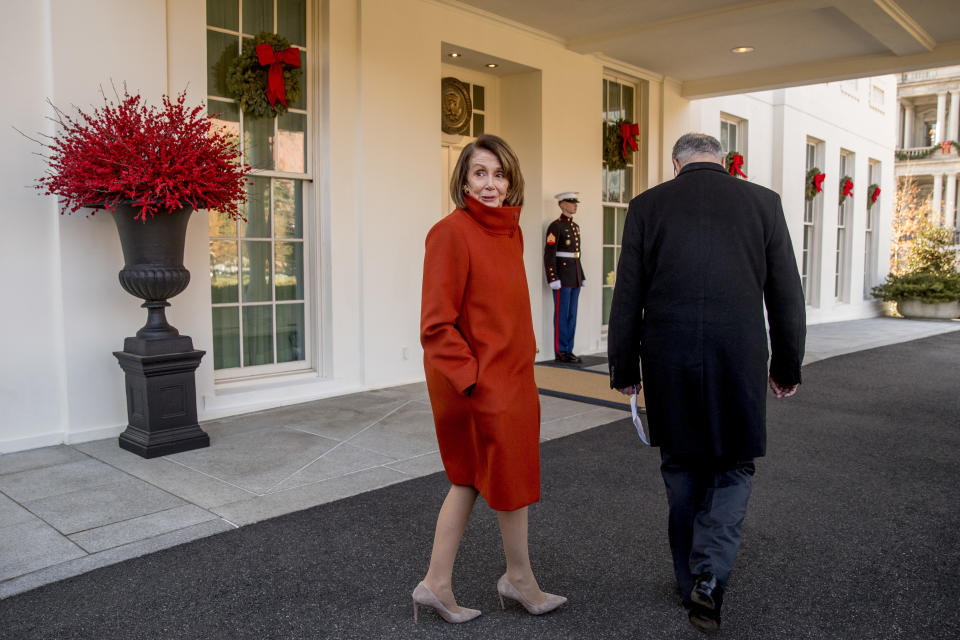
(478, 345)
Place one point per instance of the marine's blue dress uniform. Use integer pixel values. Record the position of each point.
(561, 260)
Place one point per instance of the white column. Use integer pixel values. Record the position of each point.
(951, 200)
(907, 125)
(953, 122)
(941, 115)
(937, 197)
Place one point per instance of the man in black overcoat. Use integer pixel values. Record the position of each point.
(701, 256)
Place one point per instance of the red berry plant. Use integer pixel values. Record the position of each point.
(158, 159)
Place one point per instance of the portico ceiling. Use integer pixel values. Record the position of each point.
(795, 42)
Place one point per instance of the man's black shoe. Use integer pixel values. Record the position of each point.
(574, 358)
(703, 619)
(707, 593)
(565, 358)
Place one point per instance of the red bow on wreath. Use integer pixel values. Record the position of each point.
(945, 147)
(629, 132)
(818, 181)
(276, 90)
(848, 187)
(735, 163)
(875, 194)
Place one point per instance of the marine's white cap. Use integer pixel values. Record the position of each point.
(568, 195)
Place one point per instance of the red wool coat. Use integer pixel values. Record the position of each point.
(476, 329)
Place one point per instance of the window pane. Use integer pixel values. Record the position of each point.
(607, 300)
(478, 97)
(223, 271)
(609, 266)
(224, 14)
(257, 335)
(290, 333)
(226, 337)
(621, 221)
(288, 258)
(221, 51)
(257, 209)
(628, 102)
(301, 102)
(627, 192)
(603, 185)
(226, 118)
(605, 115)
(613, 101)
(477, 124)
(256, 259)
(609, 225)
(288, 208)
(613, 189)
(257, 16)
(258, 142)
(292, 20)
(291, 142)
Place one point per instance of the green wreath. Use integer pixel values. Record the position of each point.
(811, 186)
(247, 79)
(843, 182)
(870, 198)
(613, 146)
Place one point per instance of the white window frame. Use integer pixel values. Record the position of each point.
(310, 223)
(870, 251)
(634, 170)
(811, 240)
(841, 282)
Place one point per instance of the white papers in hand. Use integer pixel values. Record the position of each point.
(638, 421)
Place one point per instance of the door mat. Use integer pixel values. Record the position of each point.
(586, 361)
(581, 385)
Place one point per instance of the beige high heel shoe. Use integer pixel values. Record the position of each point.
(422, 596)
(506, 590)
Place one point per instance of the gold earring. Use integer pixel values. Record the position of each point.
(466, 189)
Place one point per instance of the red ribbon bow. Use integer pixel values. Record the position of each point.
(629, 132)
(735, 163)
(848, 187)
(875, 194)
(945, 146)
(818, 181)
(276, 89)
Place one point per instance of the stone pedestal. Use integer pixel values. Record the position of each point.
(161, 396)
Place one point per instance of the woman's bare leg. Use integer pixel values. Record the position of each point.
(451, 523)
(513, 530)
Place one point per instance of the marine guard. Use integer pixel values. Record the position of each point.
(561, 260)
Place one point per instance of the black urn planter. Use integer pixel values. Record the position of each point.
(159, 363)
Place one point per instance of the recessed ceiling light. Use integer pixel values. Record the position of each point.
(454, 54)
(742, 49)
(492, 65)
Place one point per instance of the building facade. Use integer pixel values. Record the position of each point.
(317, 294)
(928, 142)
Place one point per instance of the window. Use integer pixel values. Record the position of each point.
(870, 241)
(619, 103)
(876, 97)
(733, 135)
(260, 286)
(844, 220)
(851, 88)
(812, 211)
(479, 106)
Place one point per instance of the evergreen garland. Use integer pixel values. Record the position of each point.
(870, 191)
(811, 186)
(925, 153)
(843, 181)
(613, 146)
(247, 79)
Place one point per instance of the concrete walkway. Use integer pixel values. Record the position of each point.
(66, 510)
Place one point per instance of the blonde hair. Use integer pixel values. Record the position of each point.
(508, 161)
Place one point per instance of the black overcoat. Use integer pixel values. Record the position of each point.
(701, 255)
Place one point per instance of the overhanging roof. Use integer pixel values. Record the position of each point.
(795, 42)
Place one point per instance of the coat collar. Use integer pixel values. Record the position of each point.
(699, 166)
(496, 220)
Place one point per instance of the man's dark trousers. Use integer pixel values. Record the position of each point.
(708, 501)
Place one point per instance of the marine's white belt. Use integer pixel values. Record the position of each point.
(568, 254)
